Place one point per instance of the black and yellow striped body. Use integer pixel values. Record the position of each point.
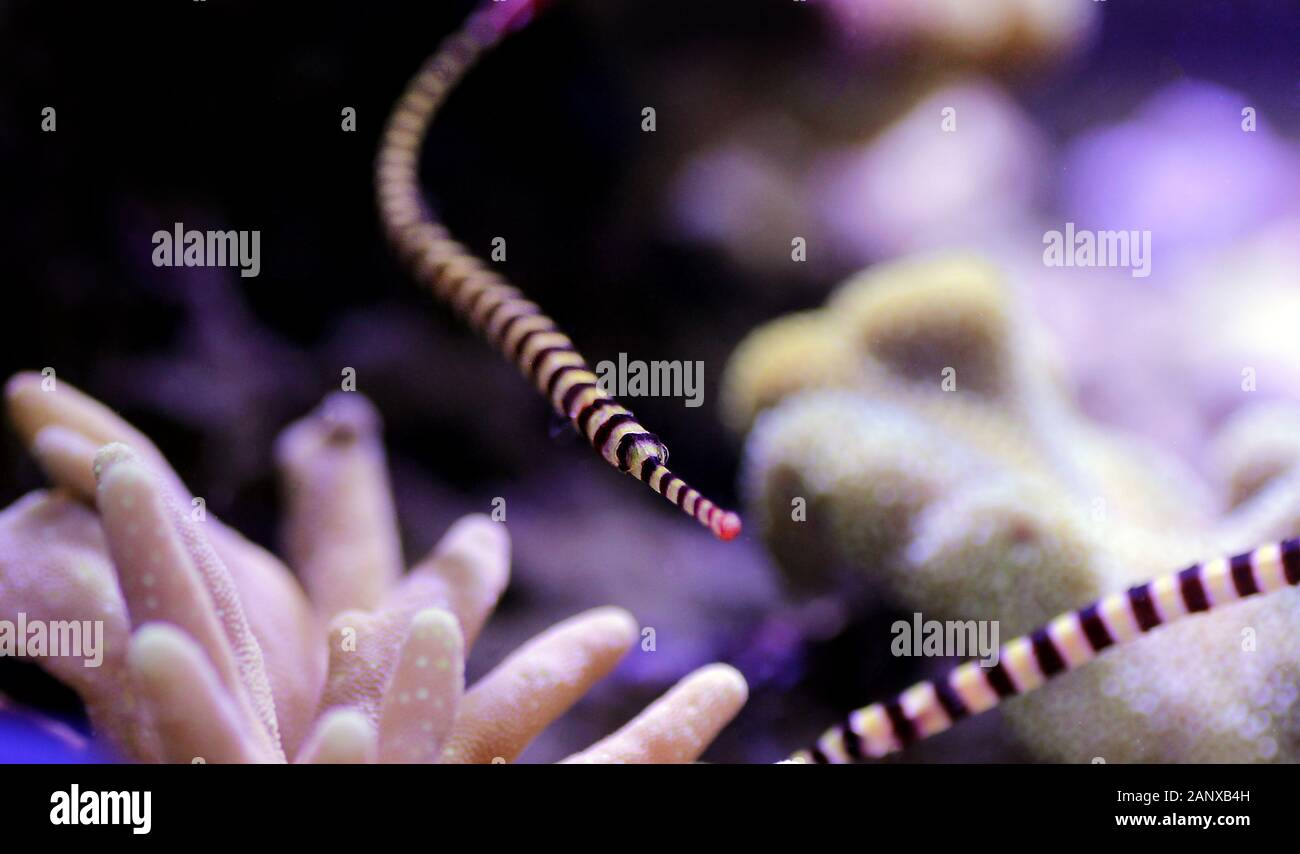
(1067, 642)
(500, 313)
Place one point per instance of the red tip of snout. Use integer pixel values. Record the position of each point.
(506, 16)
(728, 526)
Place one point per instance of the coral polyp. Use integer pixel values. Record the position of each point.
(213, 651)
(498, 311)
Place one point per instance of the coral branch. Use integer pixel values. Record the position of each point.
(195, 715)
(342, 737)
(466, 573)
(54, 564)
(420, 704)
(538, 683)
(679, 726)
(168, 574)
(64, 428)
(340, 533)
(213, 653)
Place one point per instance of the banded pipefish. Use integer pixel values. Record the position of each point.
(1064, 644)
(499, 312)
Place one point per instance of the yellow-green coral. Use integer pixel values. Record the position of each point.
(904, 322)
(935, 453)
(916, 317)
(1255, 447)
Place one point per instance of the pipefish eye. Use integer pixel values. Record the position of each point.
(499, 312)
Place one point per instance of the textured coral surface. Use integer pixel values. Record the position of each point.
(214, 651)
(937, 453)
